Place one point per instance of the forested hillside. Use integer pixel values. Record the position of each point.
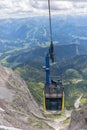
(62, 53)
(73, 73)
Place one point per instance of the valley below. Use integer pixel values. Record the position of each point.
(24, 44)
(19, 110)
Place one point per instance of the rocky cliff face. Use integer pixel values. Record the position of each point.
(18, 109)
(79, 119)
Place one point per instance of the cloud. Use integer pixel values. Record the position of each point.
(61, 6)
(25, 8)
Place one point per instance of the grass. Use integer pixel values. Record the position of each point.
(4, 61)
(56, 115)
(83, 100)
(37, 91)
(67, 121)
(39, 123)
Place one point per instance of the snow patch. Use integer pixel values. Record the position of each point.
(77, 102)
(1, 110)
(8, 128)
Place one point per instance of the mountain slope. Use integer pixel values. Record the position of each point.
(79, 119)
(18, 109)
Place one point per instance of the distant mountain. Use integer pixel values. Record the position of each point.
(61, 53)
(34, 31)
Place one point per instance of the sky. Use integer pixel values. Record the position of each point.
(29, 8)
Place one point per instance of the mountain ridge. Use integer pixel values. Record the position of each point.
(18, 109)
(31, 32)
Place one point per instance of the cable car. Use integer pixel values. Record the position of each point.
(53, 93)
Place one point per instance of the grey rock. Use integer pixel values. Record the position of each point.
(18, 108)
(79, 119)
